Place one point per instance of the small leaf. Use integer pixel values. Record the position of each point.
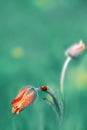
(56, 103)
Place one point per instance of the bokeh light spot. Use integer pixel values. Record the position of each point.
(17, 52)
(81, 78)
(45, 4)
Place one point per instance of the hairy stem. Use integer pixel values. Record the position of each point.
(63, 73)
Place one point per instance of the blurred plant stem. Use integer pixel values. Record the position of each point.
(67, 61)
(57, 104)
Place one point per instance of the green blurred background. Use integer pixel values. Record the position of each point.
(34, 35)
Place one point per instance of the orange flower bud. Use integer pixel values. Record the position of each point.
(75, 50)
(25, 97)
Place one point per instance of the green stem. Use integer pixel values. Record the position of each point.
(63, 74)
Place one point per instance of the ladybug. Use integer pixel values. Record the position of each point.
(44, 88)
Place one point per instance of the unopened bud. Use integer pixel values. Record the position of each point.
(75, 50)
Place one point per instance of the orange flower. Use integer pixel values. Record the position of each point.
(75, 50)
(24, 98)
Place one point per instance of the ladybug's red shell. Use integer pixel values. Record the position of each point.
(44, 88)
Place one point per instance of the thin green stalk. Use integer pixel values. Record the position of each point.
(67, 61)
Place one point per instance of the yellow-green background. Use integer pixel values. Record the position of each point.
(33, 37)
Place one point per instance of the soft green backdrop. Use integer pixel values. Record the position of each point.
(33, 37)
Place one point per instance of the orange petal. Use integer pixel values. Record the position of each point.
(20, 95)
(29, 99)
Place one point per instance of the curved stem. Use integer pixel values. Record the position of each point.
(63, 73)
